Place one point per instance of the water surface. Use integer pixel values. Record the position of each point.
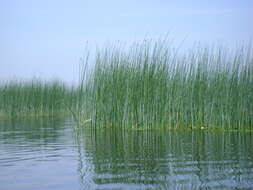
(49, 154)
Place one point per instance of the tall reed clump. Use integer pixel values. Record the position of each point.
(149, 86)
(35, 98)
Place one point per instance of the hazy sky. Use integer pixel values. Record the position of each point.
(46, 38)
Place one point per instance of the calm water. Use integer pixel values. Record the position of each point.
(49, 154)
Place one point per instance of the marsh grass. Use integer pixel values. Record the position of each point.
(35, 98)
(149, 86)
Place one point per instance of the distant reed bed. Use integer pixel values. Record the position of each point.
(35, 98)
(148, 85)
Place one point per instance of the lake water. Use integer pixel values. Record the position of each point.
(50, 154)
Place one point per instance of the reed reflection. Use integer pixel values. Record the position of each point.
(113, 159)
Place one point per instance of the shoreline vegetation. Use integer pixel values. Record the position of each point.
(146, 86)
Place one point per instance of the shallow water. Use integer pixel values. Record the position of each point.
(49, 154)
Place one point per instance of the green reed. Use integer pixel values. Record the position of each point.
(35, 98)
(148, 86)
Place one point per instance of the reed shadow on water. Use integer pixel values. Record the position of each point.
(119, 159)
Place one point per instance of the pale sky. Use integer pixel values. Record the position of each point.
(46, 38)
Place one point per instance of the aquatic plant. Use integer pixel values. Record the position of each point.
(35, 98)
(149, 86)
